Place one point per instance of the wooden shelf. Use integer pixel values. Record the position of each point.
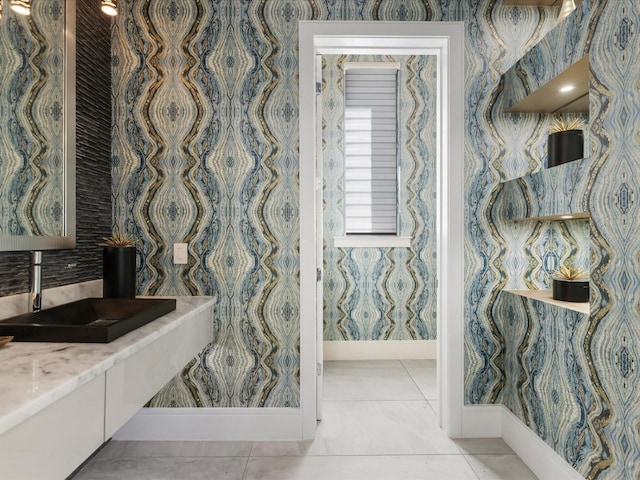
(534, 3)
(545, 296)
(549, 99)
(547, 194)
(537, 3)
(556, 218)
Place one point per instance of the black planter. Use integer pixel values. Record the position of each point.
(119, 272)
(563, 147)
(571, 290)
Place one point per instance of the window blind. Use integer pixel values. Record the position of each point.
(371, 166)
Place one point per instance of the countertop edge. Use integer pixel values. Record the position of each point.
(147, 333)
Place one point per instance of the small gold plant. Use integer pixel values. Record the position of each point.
(560, 125)
(118, 239)
(571, 273)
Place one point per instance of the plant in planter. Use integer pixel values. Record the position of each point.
(566, 142)
(571, 285)
(119, 266)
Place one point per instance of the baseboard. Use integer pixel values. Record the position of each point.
(493, 421)
(481, 421)
(541, 459)
(211, 424)
(282, 424)
(380, 350)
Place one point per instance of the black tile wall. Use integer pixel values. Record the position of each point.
(93, 164)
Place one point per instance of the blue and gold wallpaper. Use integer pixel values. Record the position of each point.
(533, 250)
(546, 382)
(32, 123)
(205, 151)
(572, 377)
(383, 293)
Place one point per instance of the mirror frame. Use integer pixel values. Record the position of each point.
(15, 243)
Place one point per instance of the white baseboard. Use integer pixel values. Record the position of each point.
(481, 421)
(380, 350)
(282, 424)
(541, 459)
(493, 421)
(211, 424)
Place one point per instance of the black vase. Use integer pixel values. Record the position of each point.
(119, 272)
(563, 147)
(571, 290)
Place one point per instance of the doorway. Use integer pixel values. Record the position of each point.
(445, 40)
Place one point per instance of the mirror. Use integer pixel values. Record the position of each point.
(37, 126)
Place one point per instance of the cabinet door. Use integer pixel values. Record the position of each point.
(54, 442)
(132, 382)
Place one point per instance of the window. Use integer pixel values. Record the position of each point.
(371, 164)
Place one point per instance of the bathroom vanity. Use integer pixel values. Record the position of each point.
(59, 402)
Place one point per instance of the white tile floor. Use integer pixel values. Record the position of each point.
(379, 423)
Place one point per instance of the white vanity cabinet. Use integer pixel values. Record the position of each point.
(132, 382)
(60, 402)
(53, 442)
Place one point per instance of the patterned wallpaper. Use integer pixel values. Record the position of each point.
(533, 250)
(93, 169)
(32, 127)
(573, 378)
(383, 293)
(611, 339)
(546, 384)
(205, 151)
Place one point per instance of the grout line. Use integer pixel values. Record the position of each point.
(416, 385)
(246, 464)
(365, 455)
(301, 449)
(432, 408)
(503, 454)
(420, 400)
(471, 466)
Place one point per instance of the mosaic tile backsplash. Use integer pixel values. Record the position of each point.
(383, 293)
(205, 152)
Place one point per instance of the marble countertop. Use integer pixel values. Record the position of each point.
(34, 375)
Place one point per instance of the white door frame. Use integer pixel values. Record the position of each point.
(446, 39)
(319, 229)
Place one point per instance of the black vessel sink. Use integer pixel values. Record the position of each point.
(91, 320)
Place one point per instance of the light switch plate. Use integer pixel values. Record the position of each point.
(180, 255)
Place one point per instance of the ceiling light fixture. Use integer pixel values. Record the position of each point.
(22, 7)
(566, 217)
(567, 88)
(110, 7)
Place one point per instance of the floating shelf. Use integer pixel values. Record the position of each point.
(534, 3)
(545, 296)
(537, 3)
(556, 218)
(549, 99)
(547, 194)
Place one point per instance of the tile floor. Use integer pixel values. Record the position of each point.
(379, 423)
